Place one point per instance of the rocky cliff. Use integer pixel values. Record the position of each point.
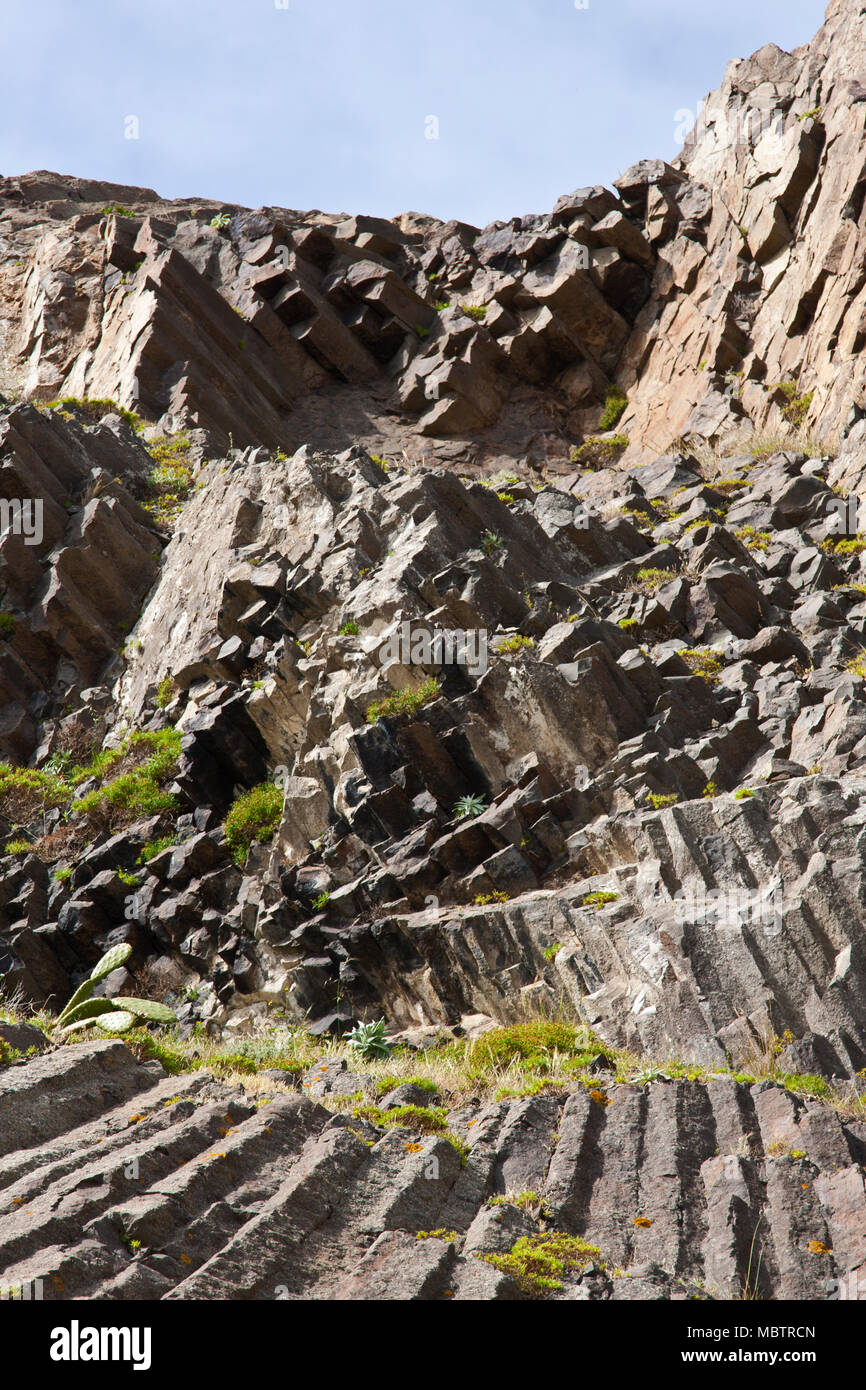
(463, 628)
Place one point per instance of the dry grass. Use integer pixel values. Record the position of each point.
(765, 443)
(714, 460)
(545, 1054)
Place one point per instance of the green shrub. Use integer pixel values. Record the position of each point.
(141, 790)
(659, 803)
(532, 1047)
(855, 545)
(429, 1119)
(475, 311)
(796, 406)
(743, 794)
(535, 1263)
(857, 665)
(615, 403)
(652, 579)
(171, 480)
(7, 624)
(151, 760)
(255, 815)
(349, 629)
(596, 452)
(704, 663)
(94, 407)
(515, 644)
(599, 899)
(384, 1084)
(165, 693)
(404, 701)
(321, 901)
(752, 539)
(154, 847)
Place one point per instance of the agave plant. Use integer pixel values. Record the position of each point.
(650, 1074)
(469, 806)
(116, 1015)
(369, 1040)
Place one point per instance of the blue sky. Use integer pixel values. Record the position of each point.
(326, 103)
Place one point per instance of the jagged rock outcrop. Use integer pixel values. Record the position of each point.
(531, 729)
(758, 233)
(698, 287)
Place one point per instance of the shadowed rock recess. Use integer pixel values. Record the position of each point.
(618, 446)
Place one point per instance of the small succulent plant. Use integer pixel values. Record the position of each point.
(369, 1040)
(469, 806)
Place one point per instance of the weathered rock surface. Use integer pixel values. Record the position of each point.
(118, 1182)
(658, 717)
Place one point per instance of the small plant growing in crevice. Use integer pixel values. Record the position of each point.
(797, 404)
(596, 452)
(857, 665)
(516, 644)
(752, 539)
(704, 663)
(599, 898)
(650, 580)
(491, 543)
(165, 692)
(349, 629)
(467, 807)
(253, 816)
(842, 549)
(615, 403)
(404, 701)
(154, 847)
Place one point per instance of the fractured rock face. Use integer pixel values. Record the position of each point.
(207, 1196)
(315, 718)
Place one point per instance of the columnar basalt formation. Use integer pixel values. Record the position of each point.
(610, 452)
